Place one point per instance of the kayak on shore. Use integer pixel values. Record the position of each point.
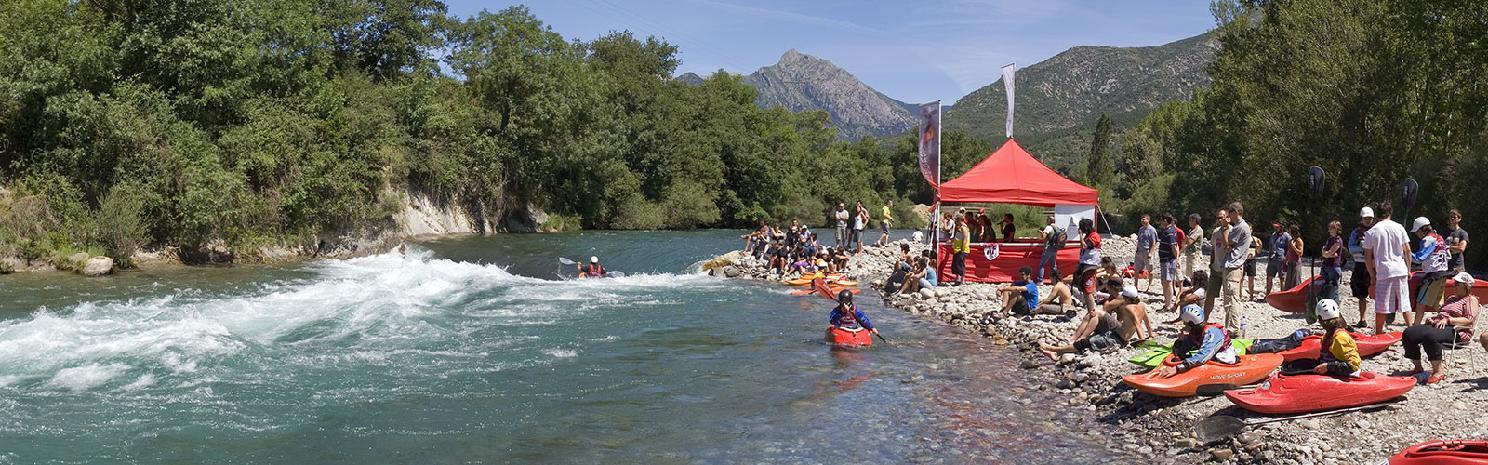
(1212, 376)
(1156, 353)
(1369, 345)
(1294, 300)
(1307, 393)
(1450, 452)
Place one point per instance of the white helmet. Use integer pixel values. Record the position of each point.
(1192, 314)
(593, 259)
(1327, 309)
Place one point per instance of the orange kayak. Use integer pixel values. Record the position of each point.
(805, 279)
(1252, 368)
(1453, 452)
(849, 337)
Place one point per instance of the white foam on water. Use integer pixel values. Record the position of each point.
(372, 307)
(85, 377)
(561, 353)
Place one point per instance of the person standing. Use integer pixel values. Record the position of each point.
(1192, 245)
(860, 221)
(887, 222)
(1237, 241)
(960, 246)
(1293, 260)
(1332, 261)
(1434, 257)
(1360, 281)
(1009, 228)
(1090, 260)
(1167, 256)
(841, 216)
(1217, 259)
(1276, 250)
(1146, 239)
(1387, 254)
(1053, 241)
(1456, 240)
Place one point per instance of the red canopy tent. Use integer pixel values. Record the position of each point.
(1010, 175)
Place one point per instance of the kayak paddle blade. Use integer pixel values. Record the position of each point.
(565, 261)
(1218, 428)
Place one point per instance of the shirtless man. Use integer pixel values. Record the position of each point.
(1103, 330)
(1061, 298)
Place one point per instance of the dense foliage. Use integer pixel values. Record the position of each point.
(1371, 91)
(247, 122)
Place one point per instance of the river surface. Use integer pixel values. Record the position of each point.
(471, 350)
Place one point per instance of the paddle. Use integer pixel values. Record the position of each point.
(885, 341)
(1314, 189)
(1220, 427)
(566, 261)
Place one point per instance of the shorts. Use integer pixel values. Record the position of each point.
(1085, 276)
(1142, 262)
(1392, 295)
(1250, 268)
(1020, 307)
(1169, 270)
(1431, 292)
(1359, 282)
(1099, 343)
(1275, 268)
(885, 227)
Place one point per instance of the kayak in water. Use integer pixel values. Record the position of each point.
(848, 326)
(847, 337)
(1307, 393)
(1451, 452)
(1211, 375)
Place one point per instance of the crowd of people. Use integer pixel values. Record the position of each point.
(798, 249)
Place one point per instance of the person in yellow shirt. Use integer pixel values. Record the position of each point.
(960, 246)
(888, 220)
(1340, 355)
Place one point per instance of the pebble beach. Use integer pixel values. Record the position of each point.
(1162, 428)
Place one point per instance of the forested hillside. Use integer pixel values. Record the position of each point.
(245, 122)
(1373, 92)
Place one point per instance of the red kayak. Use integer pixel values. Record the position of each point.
(1460, 452)
(1283, 395)
(849, 337)
(1294, 300)
(1312, 346)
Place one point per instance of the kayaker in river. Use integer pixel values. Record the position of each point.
(1342, 355)
(847, 315)
(1203, 341)
(592, 270)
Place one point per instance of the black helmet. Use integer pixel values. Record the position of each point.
(844, 297)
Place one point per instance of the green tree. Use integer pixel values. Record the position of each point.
(1100, 168)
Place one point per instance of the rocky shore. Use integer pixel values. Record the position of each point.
(1164, 428)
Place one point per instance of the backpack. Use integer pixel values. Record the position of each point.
(1060, 237)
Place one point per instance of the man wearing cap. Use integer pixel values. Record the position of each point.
(1434, 257)
(1102, 330)
(1387, 254)
(1359, 281)
(592, 270)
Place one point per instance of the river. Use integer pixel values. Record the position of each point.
(471, 350)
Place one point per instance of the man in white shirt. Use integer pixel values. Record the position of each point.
(1387, 254)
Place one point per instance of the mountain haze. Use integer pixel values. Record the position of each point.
(1060, 99)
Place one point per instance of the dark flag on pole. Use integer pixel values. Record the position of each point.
(930, 142)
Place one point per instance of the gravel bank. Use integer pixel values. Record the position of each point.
(1164, 427)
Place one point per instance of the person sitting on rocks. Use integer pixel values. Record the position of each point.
(1103, 331)
(839, 259)
(916, 277)
(1195, 294)
(1341, 358)
(1060, 300)
(1021, 296)
(1453, 325)
(1201, 341)
(929, 277)
(896, 280)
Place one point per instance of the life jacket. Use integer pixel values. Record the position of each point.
(849, 317)
(1197, 338)
(594, 269)
(1439, 258)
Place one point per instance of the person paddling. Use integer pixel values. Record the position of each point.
(847, 315)
(592, 270)
(1207, 341)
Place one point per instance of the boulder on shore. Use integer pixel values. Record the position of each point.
(98, 266)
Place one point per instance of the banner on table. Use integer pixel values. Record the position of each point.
(930, 142)
(1008, 71)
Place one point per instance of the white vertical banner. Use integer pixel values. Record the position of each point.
(1008, 71)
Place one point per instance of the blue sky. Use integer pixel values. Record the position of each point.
(911, 51)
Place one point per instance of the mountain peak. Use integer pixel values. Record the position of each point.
(800, 82)
(794, 56)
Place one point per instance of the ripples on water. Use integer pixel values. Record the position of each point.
(423, 359)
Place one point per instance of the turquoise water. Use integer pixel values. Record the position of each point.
(472, 351)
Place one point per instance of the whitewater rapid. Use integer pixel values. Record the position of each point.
(408, 313)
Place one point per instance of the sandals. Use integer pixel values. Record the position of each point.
(1436, 378)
